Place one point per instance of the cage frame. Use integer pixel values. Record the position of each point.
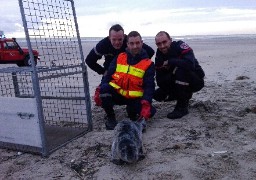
(45, 150)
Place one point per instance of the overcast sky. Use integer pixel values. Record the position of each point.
(178, 17)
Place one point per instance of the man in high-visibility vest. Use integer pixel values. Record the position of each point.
(129, 81)
(107, 49)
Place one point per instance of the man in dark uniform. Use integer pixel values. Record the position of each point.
(178, 73)
(109, 47)
(129, 81)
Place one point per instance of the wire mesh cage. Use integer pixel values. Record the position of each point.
(51, 97)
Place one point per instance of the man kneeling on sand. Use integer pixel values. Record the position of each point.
(129, 81)
(178, 73)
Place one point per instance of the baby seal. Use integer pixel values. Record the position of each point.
(127, 144)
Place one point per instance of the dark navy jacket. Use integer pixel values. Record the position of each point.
(105, 48)
(148, 79)
(179, 55)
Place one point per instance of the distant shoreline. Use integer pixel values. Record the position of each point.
(184, 37)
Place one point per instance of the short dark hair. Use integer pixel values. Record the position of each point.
(116, 27)
(164, 32)
(133, 34)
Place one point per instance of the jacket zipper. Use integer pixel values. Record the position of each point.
(128, 79)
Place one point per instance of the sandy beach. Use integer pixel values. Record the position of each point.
(216, 140)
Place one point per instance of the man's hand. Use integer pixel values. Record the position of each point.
(165, 63)
(162, 64)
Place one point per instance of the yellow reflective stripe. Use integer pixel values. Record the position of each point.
(136, 93)
(131, 93)
(121, 68)
(123, 92)
(132, 70)
(114, 85)
(136, 72)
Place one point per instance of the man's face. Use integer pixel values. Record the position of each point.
(134, 45)
(116, 38)
(163, 43)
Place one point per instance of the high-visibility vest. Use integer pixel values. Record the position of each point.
(128, 79)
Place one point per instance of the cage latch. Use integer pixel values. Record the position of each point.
(24, 115)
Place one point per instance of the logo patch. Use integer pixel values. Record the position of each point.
(184, 46)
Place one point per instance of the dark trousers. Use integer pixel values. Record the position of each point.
(179, 85)
(110, 97)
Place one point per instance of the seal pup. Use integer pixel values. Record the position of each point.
(127, 143)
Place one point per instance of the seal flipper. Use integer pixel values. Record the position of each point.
(118, 161)
(141, 155)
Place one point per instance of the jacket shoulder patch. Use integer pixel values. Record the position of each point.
(184, 46)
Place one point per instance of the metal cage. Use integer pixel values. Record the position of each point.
(46, 105)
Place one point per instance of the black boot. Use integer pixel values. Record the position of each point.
(110, 119)
(110, 122)
(160, 95)
(132, 115)
(180, 110)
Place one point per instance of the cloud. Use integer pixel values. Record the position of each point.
(183, 21)
(148, 17)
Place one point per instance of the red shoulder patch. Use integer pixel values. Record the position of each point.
(184, 46)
